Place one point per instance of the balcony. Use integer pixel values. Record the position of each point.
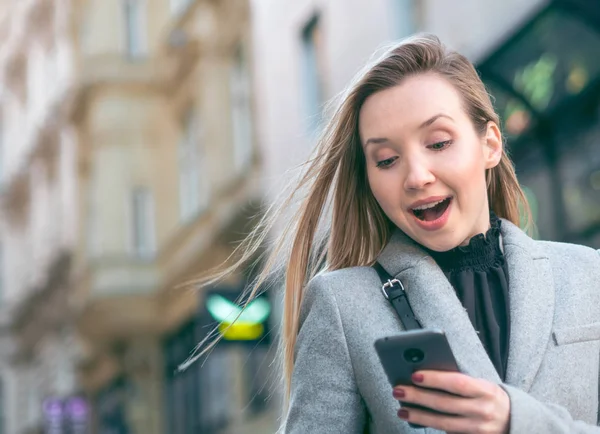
(113, 296)
(116, 69)
(122, 276)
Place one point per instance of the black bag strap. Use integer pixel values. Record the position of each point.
(394, 292)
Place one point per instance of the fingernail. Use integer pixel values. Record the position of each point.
(399, 393)
(403, 414)
(417, 378)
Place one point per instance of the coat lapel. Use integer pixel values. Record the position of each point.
(531, 299)
(435, 304)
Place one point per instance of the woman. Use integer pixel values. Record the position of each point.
(413, 166)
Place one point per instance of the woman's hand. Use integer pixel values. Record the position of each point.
(474, 405)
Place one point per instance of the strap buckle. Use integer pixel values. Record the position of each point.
(390, 284)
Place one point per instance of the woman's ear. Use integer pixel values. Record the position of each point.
(492, 149)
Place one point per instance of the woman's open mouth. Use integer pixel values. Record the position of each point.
(432, 211)
(433, 215)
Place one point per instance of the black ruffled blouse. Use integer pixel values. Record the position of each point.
(479, 276)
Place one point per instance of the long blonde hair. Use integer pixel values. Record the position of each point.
(335, 198)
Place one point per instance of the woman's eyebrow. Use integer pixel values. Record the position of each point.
(376, 141)
(434, 118)
(428, 122)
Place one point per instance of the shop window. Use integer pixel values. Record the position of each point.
(515, 118)
(216, 389)
(556, 57)
(535, 178)
(197, 399)
(580, 171)
(111, 404)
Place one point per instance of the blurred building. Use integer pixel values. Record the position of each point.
(128, 167)
(545, 77)
(536, 56)
(38, 199)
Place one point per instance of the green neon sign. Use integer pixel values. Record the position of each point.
(249, 323)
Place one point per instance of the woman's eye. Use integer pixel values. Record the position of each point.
(386, 163)
(440, 145)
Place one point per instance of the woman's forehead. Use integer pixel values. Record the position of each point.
(408, 105)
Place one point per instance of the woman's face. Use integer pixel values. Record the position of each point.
(426, 163)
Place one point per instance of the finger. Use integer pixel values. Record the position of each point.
(453, 382)
(437, 400)
(429, 419)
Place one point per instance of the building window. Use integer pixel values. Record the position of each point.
(178, 7)
(241, 111)
(143, 223)
(314, 74)
(193, 193)
(405, 17)
(135, 28)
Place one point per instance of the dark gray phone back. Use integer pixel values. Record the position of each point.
(414, 350)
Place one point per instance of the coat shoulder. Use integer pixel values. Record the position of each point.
(347, 281)
(575, 269)
(570, 253)
(349, 288)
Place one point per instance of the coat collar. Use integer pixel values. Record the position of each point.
(434, 302)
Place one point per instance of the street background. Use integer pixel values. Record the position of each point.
(141, 139)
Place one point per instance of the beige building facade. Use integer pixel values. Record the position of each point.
(168, 170)
(131, 168)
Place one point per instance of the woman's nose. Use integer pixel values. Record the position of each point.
(418, 175)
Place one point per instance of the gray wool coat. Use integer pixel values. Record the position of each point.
(552, 379)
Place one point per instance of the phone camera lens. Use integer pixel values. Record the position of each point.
(414, 355)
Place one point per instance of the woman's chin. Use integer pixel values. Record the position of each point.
(437, 243)
(441, 248)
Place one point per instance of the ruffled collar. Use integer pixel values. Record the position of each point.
(483, 251)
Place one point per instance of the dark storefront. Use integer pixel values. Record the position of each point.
(199, 398)
(546, 83)
(111, 405)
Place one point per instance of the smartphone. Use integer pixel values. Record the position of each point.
(414, 350)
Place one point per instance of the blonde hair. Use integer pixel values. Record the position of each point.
(337, 200)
